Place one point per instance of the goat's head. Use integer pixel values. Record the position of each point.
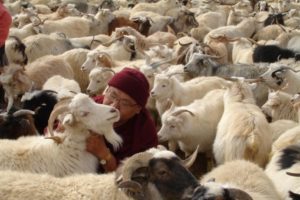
(99, 78)
(157, 174)
(83, 112)
(162, 87)
(14, 124)
(15, 50)
(96, 59)
(175, 123)
(296, 101)
(276, 77)
(201, 65)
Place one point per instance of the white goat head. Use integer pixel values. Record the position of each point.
(99, 78)
(96, 58)
(174, 122)
(277, 76)
(83, 112)
(163, 86)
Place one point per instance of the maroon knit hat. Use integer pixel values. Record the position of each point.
(133, 83)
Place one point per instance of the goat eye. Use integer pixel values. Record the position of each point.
(83, 113)
(98, 81)
(162, 173)
(163, 86)
(172, 126)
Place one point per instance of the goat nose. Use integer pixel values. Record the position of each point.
(151, 93)
(113, 110)
(185, 69)
(88, 91)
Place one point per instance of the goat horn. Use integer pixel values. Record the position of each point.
(107, 69)
(186, 44)
(157, 64)
(293, 174)
(182, 111)
(188, 162)
(60, 107)
(23, 112)
(112, 41)
(253, 41)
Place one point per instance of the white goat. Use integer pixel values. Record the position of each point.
(63, 86)
(66, 154)
(243, 131)
(99, 78)
(167, 86)
(190, 125)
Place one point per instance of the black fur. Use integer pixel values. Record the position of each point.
(20, 47)
(274, 19)
(289, 157)
(14, 127)
(294, 196)
(42, 103)
(272, 53)
(171, 178)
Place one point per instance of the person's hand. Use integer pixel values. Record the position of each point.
(95, 144)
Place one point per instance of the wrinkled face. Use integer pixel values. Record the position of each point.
(171, 127)
(122, 102)
(275, 77)
(162, 87)
(197, 65)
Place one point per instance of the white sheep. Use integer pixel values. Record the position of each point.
(243, 131)
(63, 86)
(237, 179)
(191, 126)
(66, 154)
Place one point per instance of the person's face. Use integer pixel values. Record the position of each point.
(123, 102)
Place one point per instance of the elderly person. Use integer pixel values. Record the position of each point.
(5, 22)
(127, 91)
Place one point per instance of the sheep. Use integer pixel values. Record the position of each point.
(190, 125)
(168, 87)
(16, 81)
(281, 77)
(160, 7)
(65, 154)
(27, 30)
(90, 41)
(243, 131)
(42, 103)
(17, 123)
(283, 161)
(149, 175)
(99, 78)
(62, 11)
(237, 179)
(272, 53)
(270, 32)
(278, 106)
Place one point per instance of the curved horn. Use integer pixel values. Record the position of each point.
(252, 41)
(293, 174)
(61, 107)
(23, 112)
(186, 44)
(112, 41)
(238, 194)
(107, 69)
(188, 162)
(161, 62)
(182, 111)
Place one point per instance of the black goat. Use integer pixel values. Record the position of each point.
(276, 18)
(42, 102)
(16, 123)
(272, 53)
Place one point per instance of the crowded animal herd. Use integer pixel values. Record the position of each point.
(224, 83)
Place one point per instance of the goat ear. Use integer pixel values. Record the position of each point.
(233, 193)
(132, 189)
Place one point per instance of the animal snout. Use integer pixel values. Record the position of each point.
(113, 110)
